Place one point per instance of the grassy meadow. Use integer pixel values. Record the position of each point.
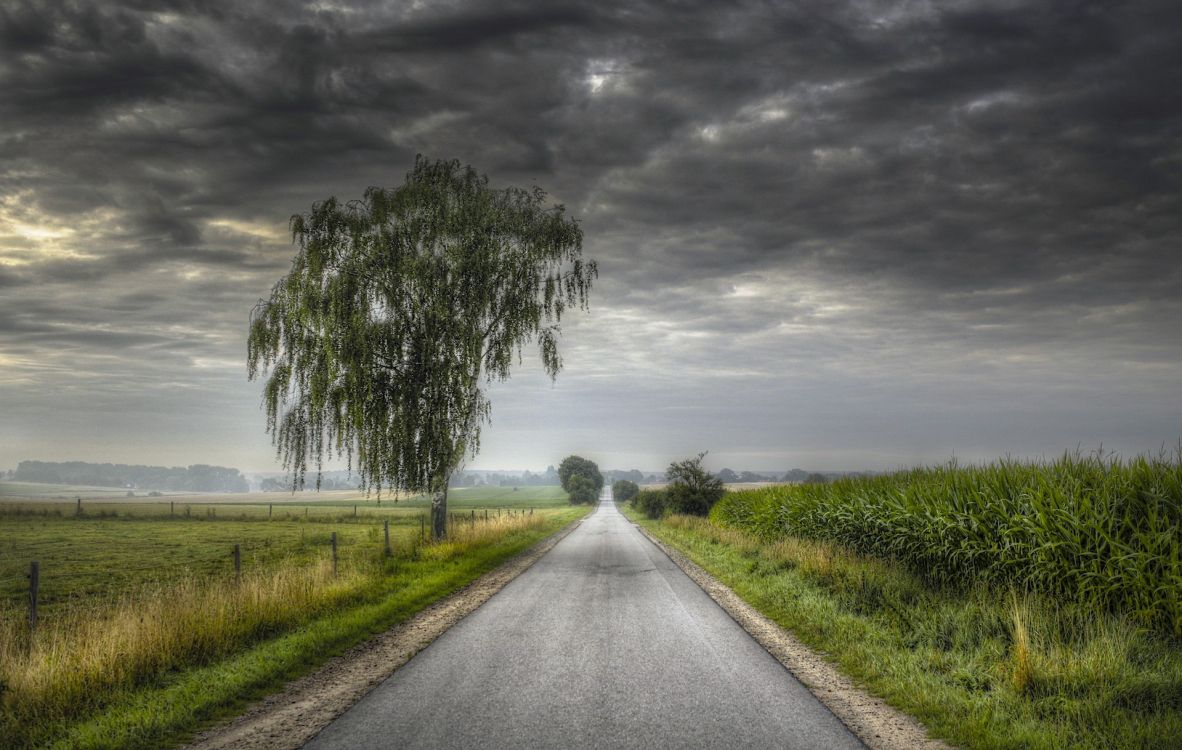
(118, 545)
(140, 598)
(1005, 606)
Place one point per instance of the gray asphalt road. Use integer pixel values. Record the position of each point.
(603, 643)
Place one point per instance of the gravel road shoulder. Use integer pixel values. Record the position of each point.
(288, 719)
(877, 724)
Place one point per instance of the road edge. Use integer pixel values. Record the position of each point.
(289, 718)
(872, 720)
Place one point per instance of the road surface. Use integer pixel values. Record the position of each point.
(603, 643)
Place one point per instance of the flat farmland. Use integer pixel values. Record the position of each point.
(119, 545)
(482, 496)
(37, 490)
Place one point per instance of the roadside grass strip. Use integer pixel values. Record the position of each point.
(981, 665)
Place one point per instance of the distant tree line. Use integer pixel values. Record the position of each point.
(633, 475)
(806, 477)
(529, 479)
(731, 477)
(195, 478)
(624, 490)
(284, 484)
(799, 476)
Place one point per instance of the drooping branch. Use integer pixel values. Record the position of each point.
(395, 309)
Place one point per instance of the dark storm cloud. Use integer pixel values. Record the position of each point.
(810, 198)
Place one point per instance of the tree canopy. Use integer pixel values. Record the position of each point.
(397, 308)
(582, 490)
(692, 489)
(580, 476)
(624, 490)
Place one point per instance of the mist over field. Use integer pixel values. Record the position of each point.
(831, 235)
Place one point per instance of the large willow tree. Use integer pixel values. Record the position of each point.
(397, 309)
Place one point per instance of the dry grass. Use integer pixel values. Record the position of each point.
(87, 651)
(464, 536)
(77, 658)
(1020, 648)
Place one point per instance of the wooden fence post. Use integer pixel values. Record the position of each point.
(237, 563)
(473, 518)
(78, 512)
(172, 508)
(386, 531)
(422, 526)
(34, 586)
(270, 510)
(334, 554)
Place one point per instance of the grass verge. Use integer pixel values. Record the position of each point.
(147, 670)
(982, 667)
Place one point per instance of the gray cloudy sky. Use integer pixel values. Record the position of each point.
(830, 234)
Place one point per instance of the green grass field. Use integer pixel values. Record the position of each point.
(117, 546)
(140, 607)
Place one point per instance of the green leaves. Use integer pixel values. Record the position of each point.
(624, 490)
(1098, 531)
(398, 308)
(581, 479)
(692, 489)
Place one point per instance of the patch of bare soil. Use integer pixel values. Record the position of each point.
(288, 719)
(878, 725)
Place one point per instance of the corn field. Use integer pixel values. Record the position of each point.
(1101, 531)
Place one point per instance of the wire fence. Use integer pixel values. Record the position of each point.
(41, 584)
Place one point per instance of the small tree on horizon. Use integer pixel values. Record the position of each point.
(575, 468)
(397, 308)
(577, 465)
(691, 488)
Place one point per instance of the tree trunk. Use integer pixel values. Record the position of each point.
(439, 514)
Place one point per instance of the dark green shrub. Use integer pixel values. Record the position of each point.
(692, 490)
(652, 503)
(582, 490)
(623, 490)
